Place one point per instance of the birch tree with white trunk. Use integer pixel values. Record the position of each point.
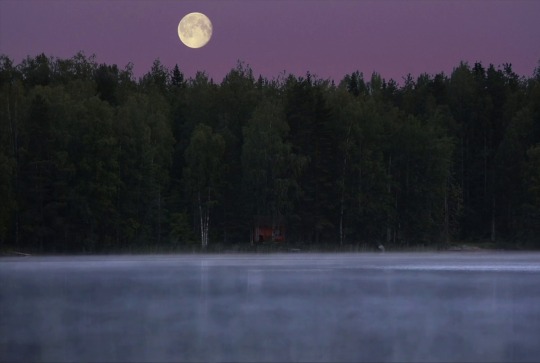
(204, 159)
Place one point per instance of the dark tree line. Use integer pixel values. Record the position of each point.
(92, 159)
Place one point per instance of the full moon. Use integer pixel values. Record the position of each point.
(195, 30)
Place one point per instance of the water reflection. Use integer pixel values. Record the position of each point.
(270, 308)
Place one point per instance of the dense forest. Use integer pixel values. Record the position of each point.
(93, 159)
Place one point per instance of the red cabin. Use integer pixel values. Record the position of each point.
(268, 229)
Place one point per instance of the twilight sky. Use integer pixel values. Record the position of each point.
(329, 38)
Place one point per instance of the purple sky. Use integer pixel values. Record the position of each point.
(327, 38)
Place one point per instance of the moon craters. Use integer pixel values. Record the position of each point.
(195, 30)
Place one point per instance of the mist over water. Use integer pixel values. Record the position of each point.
(275, 307)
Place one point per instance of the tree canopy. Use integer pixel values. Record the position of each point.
(92, 159)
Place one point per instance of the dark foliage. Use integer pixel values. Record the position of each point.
(92, 159)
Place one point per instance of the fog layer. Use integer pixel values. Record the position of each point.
(277, 307)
